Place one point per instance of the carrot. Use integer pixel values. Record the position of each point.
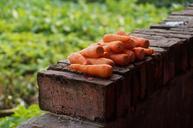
(93, 51)
(148, 51)
(115, 37)
(106, 48)
(130, 44)
(102, 70)
(139, 53)
(101, 43)
(121, 33)
(116, 46)
(106, 54)
(120, 59)
(140, 42)
(95, 61)
(77, 58)
(131, 54)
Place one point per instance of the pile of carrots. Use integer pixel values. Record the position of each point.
(118, 49)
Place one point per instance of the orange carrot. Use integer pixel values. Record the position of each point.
(93, 51)
(115, 37)
(77, 58)
(131, 54)
(120, 59)
(102, 70)
(130, 44)
(95, 61)
(148, 51)
(140, 42)
(106, 48)
(139, 53)
(116, 46)
(106, 54)
(121, 33)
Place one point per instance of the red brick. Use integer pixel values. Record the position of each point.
(159, 70)
(124, 90)
(169, 58)
(78, 95)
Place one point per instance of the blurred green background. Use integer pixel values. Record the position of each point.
(36, 33)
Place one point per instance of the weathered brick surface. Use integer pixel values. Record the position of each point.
(152, 76)
(184, 29)
(78, 95)
(169, 107)
(175, 43)
(141, 77)
(159, 70)
(169, 57)
(184, 13)
(124, 90)
(175, 21)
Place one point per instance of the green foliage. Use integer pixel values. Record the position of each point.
(36, 33)
(166, 2)
(21, 114)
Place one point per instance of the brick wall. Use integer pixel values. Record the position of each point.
(156, 92)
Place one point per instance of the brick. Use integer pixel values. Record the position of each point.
(169, 107)
(124, 90)
(165, 33)
(63, 61)
(190, 5)
(188, 46)
(169, 58)
(184, 13)
(190, 53)
(177, 20)
(180, 18)
(186, 54)
(189, 8)
(151, 75)
(183, 29)
(176, 44)
(171, 23)
(162, 26)
(141, 81)
(160, 64)
(172, 33)
(181, 51)
(148, 73)
(78, 95)
(133, 88)
(140, 69)
(59, 67)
